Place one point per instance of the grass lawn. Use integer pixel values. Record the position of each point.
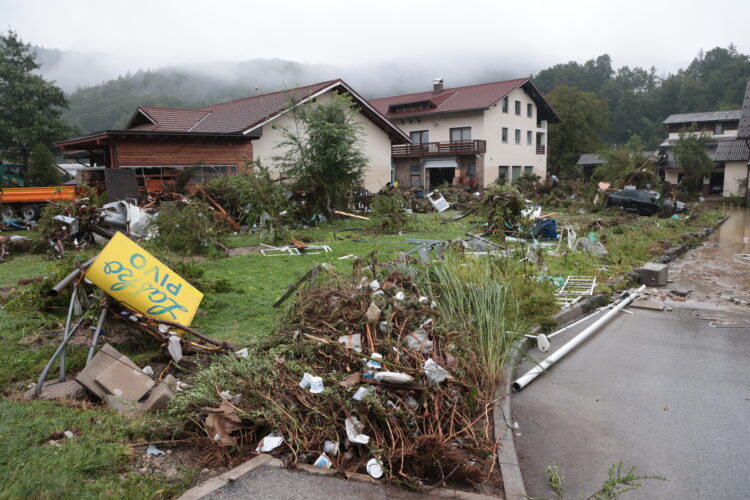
(91, 464)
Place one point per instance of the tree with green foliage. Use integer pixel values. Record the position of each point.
(323, 151)
(584, 118)
(627, 165)
(30, 106)
(42, 168)
(691, 156)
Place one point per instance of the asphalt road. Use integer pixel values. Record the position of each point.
(664, 391)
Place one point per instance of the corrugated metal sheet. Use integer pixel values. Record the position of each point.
(732, 151)
(744, 128)
(708, 116)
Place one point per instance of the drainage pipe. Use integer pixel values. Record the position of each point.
(71, 277)
(526, 379)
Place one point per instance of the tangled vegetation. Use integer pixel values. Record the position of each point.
(189, 229)
(388, 212)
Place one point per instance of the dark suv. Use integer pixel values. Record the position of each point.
(635, 200)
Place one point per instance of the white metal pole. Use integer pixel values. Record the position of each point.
(526, 379)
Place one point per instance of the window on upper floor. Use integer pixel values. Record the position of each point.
(518, 108)
(416, 175)
(505, 134)
(461, 134)
(529, 137)
(719, 128)
(518, 136)
(505, 105)
(529, 110)
(420, 136)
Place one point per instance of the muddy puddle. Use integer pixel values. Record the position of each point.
(717, 272)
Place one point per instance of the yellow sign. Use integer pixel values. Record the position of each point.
(139, 280)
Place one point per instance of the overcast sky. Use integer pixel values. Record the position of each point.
(527, 33)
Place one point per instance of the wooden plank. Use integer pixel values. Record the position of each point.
(648, 304)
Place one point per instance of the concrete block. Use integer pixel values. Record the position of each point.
(124, 381)
(159, 397)
(123, 406)
(107, 356)
(648, 304)
(52, 389)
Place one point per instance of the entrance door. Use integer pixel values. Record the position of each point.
(439, 176)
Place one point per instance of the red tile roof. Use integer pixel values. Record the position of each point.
(470, 97)
(243, 114)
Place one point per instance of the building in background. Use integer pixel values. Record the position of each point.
(158, 143)
(471, 135)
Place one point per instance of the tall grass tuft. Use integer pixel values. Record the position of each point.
(472, 300)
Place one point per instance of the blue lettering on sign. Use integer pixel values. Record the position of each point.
(136, 286)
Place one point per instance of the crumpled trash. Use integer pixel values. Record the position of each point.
(269, 443)
(323, 461)
(373, 312)
(362, 392)
(69, 434)
(316, 385)
(423, 300)
(412, 403)
(147, 370)
(434, 372)
(221, 422)
(354, 430)
(350, 380)
(592, 247)
(306, 380)
(330, 448)
(153, 450)
(174, 348)
(242, 352)
(400, 296)
(352, 341)
(374, 362)
(419, 341)
(394, 378)
(374, 285)
(375, 468)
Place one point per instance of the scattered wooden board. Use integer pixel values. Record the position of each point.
(648, 304)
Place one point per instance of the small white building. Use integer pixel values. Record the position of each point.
(729, 154)
(471, 135)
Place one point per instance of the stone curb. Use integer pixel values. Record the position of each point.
(209, 486)
(510, 468)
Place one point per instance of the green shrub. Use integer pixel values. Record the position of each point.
(388, 215)
(190, 229)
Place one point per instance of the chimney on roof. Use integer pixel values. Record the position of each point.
(437, 85)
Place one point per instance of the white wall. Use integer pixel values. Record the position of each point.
(510, 154)
(487, 125)
(734, 171)
(377, 147)
(439, 125)
(670, 175)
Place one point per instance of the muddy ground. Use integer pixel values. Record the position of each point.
(718, 272)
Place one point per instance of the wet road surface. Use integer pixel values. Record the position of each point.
(668, 392)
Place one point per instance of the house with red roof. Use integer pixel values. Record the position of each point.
(472, 135)
(157, 143)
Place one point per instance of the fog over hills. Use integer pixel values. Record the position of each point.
(104, 90)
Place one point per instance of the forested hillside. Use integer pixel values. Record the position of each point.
(638, 100)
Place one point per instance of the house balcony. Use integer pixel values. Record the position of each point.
(439, 148)
(540, 149)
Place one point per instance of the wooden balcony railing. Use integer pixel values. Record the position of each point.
(540, 149)
(439, 148)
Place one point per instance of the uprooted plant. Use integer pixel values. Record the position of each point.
(421, 409)
(189, 229)
(388, 212)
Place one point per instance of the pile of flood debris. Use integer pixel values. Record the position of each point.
(362, 378)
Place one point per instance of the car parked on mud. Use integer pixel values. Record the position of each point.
(642, 202)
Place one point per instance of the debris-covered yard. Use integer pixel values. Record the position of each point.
(376, 362)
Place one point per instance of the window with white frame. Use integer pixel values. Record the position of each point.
(529, 137)
(505, 134)
(518, 108)
(518, 136)
(529, 110)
